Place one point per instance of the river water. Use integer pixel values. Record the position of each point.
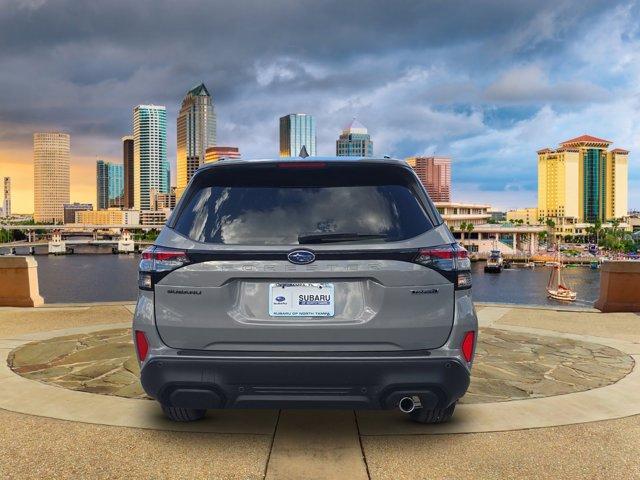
(100, 278)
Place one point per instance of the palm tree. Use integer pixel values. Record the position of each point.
(463, 228)
(470, 227)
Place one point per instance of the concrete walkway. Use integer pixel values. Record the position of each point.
(298, 444)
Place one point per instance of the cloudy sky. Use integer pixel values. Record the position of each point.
(486, 82)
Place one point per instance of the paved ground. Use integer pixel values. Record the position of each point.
(328, 444)
(508, 366)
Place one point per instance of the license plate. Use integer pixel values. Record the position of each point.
(301, 300)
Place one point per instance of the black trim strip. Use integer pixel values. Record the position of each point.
(404, 255)
(318, 354)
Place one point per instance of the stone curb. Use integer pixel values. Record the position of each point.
(618, 400)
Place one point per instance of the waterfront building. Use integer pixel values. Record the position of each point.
(581, 181)
(297, 130)
(456, 213)
(435, 175)
(154, 217)
(150, 165)
(196, 131)
(6, 205)
(354, 141)
(484, 237)
(70, 210)
(109, 185)
(111, 216)
(51, 162)
(529, 216)
(213, 154)
(163, 201)
(127, 165)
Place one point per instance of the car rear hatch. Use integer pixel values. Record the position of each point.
(295, 258)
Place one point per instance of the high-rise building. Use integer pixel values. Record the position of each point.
(213, 154)
(70, 210)
(150, 165)
(435, 175)
(127, 162)
(109, 185)
(51, 158)
(297, 130)
(116, 185)
(196, 131)
(354, 141)
(7, 197)
(102, 185)
(582, 181)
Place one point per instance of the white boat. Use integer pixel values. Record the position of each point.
(557, 289)
(494, 262)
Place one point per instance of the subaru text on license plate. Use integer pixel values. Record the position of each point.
(301, 300)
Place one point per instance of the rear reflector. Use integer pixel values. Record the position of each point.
(142, 345)
(467, 345)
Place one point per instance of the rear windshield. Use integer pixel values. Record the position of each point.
(271, 205)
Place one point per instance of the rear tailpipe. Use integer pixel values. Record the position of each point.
(409, 404)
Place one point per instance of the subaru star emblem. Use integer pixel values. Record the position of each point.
(301, 257)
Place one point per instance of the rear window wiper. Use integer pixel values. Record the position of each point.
(337, 237)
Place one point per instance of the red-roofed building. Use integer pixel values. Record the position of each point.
(586, 139)
(583, 182)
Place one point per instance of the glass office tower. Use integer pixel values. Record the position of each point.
(354, 141)
(297, 130)
(109, 185)
(196, 131)
(150, 164)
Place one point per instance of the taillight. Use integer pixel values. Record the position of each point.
(467, 345)
(142, 345)
(159, 260)
(451, 260)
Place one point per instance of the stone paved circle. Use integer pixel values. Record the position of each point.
(508, 366)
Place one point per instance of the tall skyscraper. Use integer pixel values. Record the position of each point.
(127, 162)
(435, 175)
(213, 154)
(297, 130)
(196, 131)
(581, 181)
(7, 197)
(51, 158)
(102, 185)
(150, 165)
(116, 185)
(109, 185)
(354, 141)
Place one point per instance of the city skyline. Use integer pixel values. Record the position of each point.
(488, 95)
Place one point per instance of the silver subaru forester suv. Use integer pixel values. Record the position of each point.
(305, 283)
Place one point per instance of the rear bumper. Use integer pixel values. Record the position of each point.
(317, 382)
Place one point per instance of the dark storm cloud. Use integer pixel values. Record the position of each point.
(418, 73)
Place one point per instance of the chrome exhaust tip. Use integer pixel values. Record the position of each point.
(406, 405)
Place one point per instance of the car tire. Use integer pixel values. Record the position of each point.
(179, 414)
(436, 415)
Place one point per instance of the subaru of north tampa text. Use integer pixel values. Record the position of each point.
(305, 283)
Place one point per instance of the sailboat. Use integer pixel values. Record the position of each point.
(556, 287)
